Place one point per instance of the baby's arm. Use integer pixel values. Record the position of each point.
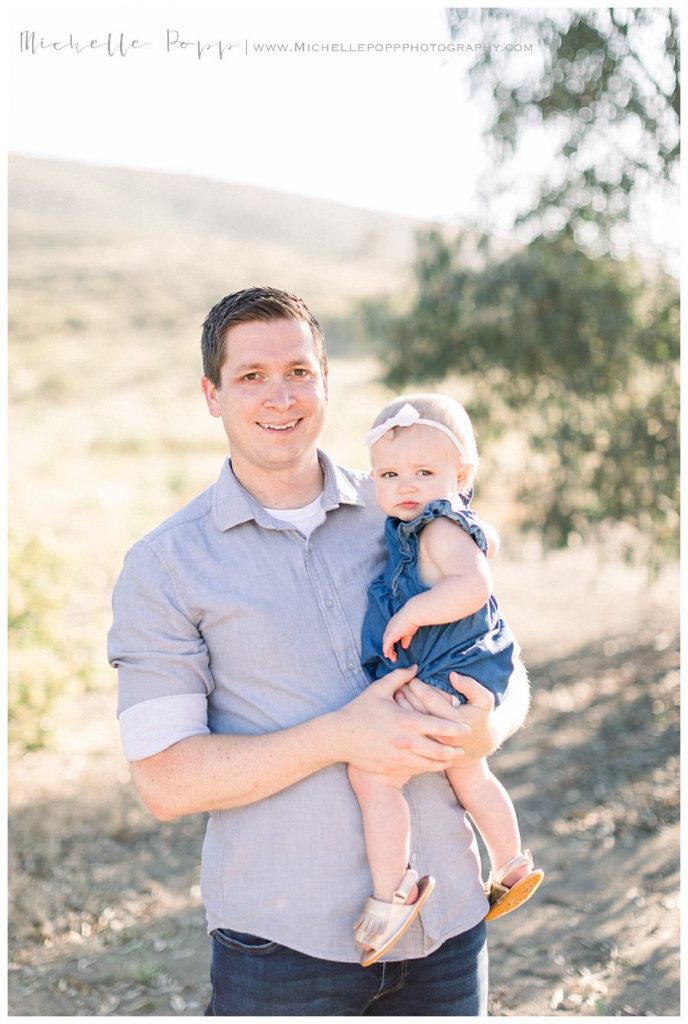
(464, 584)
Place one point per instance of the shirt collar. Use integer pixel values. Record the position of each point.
(232, 503)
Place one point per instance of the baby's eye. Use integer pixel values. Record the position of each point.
(425, 472)
(388, 474)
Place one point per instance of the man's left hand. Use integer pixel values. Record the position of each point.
(478, 713)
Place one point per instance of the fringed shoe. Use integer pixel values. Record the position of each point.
(381, 924)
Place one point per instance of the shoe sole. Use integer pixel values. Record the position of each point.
(516, 895)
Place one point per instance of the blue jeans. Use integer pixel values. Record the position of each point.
(255, 977)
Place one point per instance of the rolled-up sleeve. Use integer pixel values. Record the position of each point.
(161, 657)
(154, 725)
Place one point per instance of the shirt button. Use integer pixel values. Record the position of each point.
(351, 666)
(329, 602)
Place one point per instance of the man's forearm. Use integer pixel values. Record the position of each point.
(210, 772)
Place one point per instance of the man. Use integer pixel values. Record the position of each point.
(236, 636)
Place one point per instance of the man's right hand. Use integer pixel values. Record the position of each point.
(375, 734)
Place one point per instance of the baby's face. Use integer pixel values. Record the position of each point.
(419, 465)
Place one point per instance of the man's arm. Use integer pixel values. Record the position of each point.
(211, 772)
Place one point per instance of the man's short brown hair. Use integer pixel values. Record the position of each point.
(260, 303)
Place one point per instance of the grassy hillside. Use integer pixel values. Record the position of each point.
(98, 245)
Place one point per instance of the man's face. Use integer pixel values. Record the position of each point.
(272, 395)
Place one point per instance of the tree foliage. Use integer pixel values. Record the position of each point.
(559, 339)
(572, 353)
(578, 354)
(605, 82)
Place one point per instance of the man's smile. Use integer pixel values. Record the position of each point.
(279, 426)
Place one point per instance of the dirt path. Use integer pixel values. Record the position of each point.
(105, 910)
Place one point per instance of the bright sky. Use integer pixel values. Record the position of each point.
(391, 128)
(386, 130)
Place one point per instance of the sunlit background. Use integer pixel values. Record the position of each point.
(477, 201)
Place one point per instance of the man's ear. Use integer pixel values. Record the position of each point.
(210, 393)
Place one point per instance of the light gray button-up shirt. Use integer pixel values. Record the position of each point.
(230, 621)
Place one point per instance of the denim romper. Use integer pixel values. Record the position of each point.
(480, 645)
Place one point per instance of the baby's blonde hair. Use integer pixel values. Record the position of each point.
(450, 414)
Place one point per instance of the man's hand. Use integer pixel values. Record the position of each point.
(375, 734)
(400, 629)
(488, 726)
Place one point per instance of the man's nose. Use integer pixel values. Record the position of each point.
(279, 395)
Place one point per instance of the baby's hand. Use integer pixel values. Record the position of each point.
(400, 629)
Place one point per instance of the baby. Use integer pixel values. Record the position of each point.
(435, 601)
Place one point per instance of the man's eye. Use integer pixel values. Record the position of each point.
(300, 371)
(253, 375)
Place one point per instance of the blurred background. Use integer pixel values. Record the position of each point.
(475, 200)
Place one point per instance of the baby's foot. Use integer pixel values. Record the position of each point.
(388, 897)
(395, 916)
(375, 916)
(377, 926)
(512, 884)
(515, 875)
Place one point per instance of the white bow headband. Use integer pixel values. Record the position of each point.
(407, 417)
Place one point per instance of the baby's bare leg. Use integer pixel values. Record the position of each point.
(386, 827)
(490, 807)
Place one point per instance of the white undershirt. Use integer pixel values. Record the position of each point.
(303, 519)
